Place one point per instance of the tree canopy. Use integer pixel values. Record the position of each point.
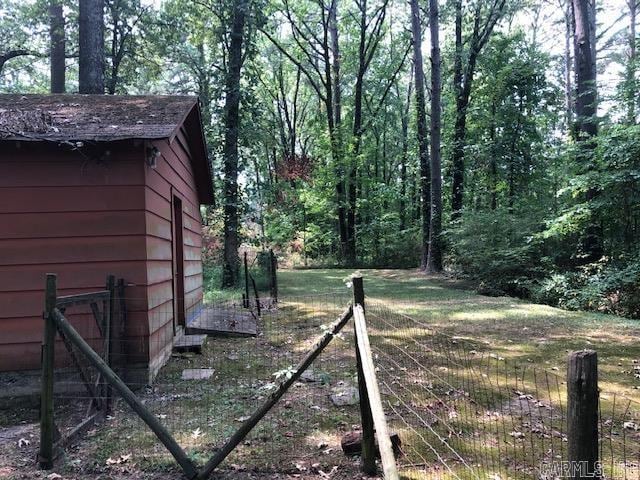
(498, 136)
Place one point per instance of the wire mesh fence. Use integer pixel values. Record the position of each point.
(459, 410)
(464, 412)
(258, 277)
(202, 398)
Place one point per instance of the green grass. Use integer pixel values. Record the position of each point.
(511, 382)
(523, 332)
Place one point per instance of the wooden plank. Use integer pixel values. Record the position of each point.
(223, 322)
(128, 396)
(84, 376)
(72, 224)
(81, 298)
(82, 250)
(84, 426)
(74, 277)
(96, 198)
(190, 343)
(368, 457)
(377, 411)
(65, 170)
(108, 340)
(273, 398)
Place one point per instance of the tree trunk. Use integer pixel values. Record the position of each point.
(493, 162)
(231, 261)
(568, 84)
(434, 259)
(352, 193)
(334, 116)
(421, 120)
(459, 131)
(631, 90)
(404, 159)
(462, 82)
(57, 48)
(91, 47)
(586, 110)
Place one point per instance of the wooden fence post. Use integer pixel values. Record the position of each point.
(387, 456)
(255, 291)
(48, 358)
(108, 336)
(120, 327)
(368, 458)
(274, 276)
(246, 281)
(582, 414)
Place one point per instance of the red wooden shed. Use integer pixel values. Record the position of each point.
(92, 185)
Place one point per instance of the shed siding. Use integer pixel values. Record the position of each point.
(78, 217)
(173, 175)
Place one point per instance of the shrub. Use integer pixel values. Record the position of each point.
(499, 250)
(607, 287)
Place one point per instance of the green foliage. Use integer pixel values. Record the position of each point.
(499, 250)
(606, 287)
(616, 177)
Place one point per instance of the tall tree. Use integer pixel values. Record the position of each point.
(57, 46)
(586, 110)
(16, 42)
(315, 52)
(631, 84)
(565, 6)
(421, 122)
(369, 40)
(334, 86)
(91, 47)
(404, 156)
(231, 260)
(486, 14)
(434, 259)
(122, 20)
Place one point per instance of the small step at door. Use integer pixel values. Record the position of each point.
(189, 343)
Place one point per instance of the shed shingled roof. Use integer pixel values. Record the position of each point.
(108, 118)
(92, 117)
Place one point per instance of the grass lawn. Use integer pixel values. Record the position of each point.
(524, 332)
(475, 385)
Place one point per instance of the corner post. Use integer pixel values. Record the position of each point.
(582, 414)
(368, 458)
(109, 337)
(246, 281)
(48, 358)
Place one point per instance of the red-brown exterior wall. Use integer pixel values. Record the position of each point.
(172, 176)
(83, 219)
(80, 217)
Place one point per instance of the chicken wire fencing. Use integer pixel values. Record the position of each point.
(203, 393)
(457, 409)
(461, 411)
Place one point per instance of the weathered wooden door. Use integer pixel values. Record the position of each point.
(178, 263)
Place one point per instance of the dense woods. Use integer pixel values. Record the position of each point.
(492, 139)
